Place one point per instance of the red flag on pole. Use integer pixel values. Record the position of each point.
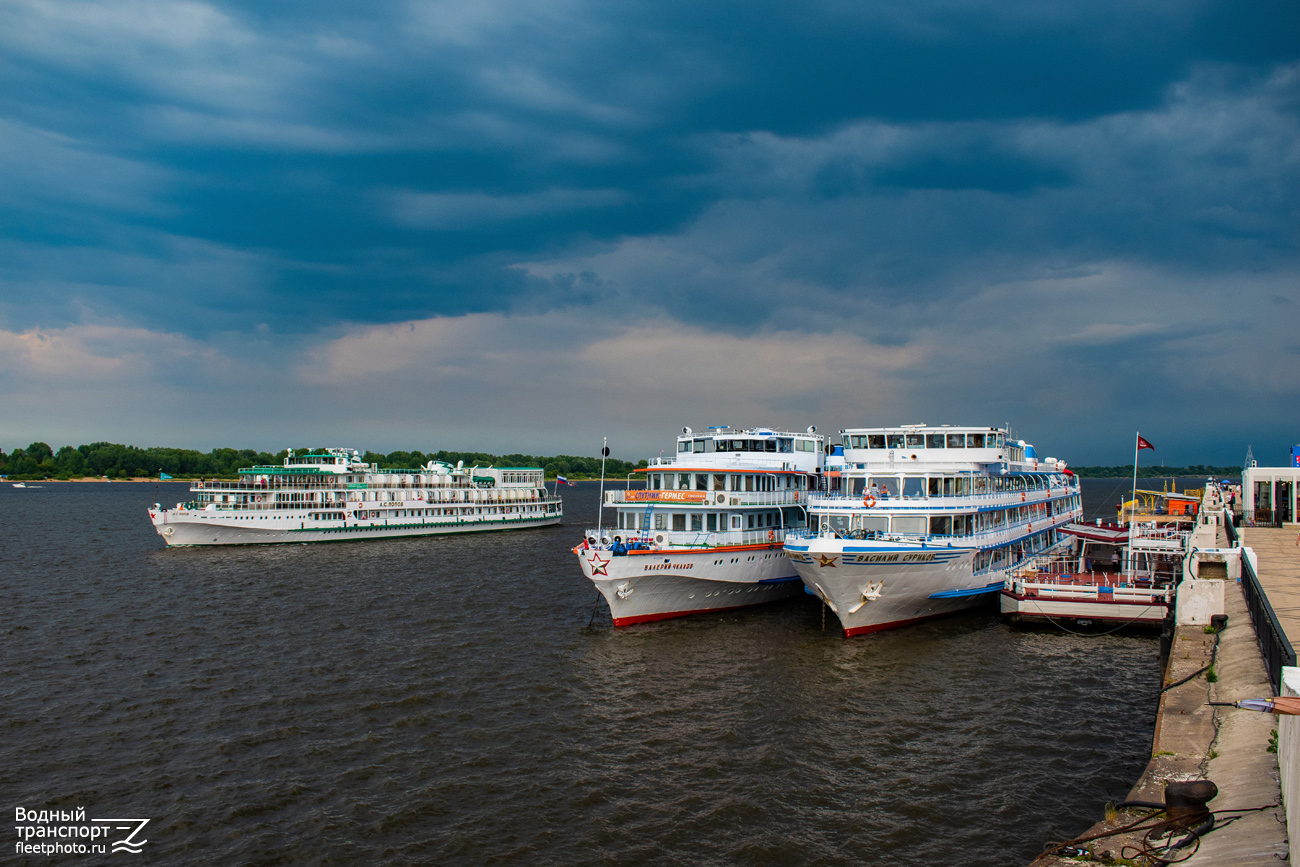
(1143, 444)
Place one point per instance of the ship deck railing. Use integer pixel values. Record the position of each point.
(733, 499)
(938, 540)
(332, 481)
(688, 540)
(977, 539)
(849, 501)
(348, 505)
(1092, 586)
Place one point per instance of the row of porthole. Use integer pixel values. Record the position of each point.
(751, 589)
(737, 559)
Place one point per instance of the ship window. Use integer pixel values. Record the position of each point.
(659, 522)
(783, 445)
(935, 487)
(735, 522)
(915, 441)
(697, 522)
(887, 486)
(679, 522)
(713, 523)
(895, 441)
(855, 442)
(701, 481)
(940, 525)
(719, 482)
(934, 441)
(876, 523)
(683, 445)
(683, 481)
(913, 486)
(657, 481)
(875, 441)
(956, 441)
(699, 446)
(915, 524)
(947, 487)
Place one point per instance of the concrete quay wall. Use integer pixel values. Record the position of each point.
(1229, 746)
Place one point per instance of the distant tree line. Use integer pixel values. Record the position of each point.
(1126, 472)
(39, 461)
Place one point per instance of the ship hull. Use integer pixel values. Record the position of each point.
(187, 528)
(1022, 608)
(873, 587)
(645, 586)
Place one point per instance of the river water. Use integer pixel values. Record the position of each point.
(454, 701)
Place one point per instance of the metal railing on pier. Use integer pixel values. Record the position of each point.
(1265, 518)
(1273, 643)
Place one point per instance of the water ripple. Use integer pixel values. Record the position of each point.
(443, 700)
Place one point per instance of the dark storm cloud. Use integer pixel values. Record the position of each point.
(897, 201)
(394, 164)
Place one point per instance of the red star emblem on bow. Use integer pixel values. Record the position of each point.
(598, 565)
(826, 561)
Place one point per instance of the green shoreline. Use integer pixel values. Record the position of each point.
(39, 462)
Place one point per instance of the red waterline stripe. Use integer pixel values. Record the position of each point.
(897, 624)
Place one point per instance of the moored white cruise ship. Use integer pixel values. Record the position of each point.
(921, 521)
(705, 532)
(332, 496)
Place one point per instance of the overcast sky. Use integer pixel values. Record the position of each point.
(523, 226)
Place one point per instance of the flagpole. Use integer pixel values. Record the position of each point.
(1133, 503)
(604, 450)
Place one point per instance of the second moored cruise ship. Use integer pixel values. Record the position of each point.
(705, 532)
(920, 521)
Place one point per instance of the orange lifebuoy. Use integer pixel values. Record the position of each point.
(1022, 496)
(869, 501)
(771, 535)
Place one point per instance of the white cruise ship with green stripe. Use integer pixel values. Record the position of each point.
(333, 496)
